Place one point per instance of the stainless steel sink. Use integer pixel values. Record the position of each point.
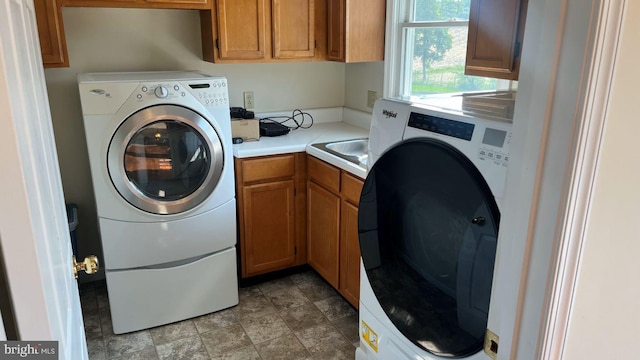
(353, 150)
(356, 147)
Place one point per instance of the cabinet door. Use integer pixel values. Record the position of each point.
(269, 228)
(495, 36)
(51, 32)
(323, 232)
(293, 23)
(241, 29)
(349, 254)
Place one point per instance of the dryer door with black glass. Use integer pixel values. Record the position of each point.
(165, 159)
(428, 227)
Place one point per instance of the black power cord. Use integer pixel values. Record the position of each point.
(298, 117)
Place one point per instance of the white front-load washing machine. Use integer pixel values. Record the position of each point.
(161, 163)
(428, 228)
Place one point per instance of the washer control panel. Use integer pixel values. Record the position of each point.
(484, 142)
(494, 146)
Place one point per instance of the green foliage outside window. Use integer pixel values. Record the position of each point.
(438, 52)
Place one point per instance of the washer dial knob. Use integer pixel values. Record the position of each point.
(161, 92)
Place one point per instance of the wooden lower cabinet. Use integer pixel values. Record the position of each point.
(332, 226)
(323, 239)
(268, 212)
(294, 209)
(349, 254)
(271, 197)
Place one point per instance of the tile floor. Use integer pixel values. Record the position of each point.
(297, 316)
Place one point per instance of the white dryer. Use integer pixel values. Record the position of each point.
(161, 163)
(428, 228)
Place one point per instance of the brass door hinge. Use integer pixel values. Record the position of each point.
(491, 344)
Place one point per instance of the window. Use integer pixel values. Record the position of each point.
(427, 50)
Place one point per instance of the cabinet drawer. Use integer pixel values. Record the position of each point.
(268, 168)
(324, 174)
(351, 188)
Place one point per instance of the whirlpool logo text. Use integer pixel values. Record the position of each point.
(389, 114)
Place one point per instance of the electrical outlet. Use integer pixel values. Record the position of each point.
(372, 96)
(248, 100)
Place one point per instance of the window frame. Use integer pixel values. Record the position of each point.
(399, 15)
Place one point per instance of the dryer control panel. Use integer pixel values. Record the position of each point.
(108, 97)
(210, 92)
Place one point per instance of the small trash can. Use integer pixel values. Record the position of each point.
(72, 217)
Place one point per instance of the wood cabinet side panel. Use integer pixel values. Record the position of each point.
(53, 45)
(240, 209)
(300, 179)
(208, 34)
(336, 18)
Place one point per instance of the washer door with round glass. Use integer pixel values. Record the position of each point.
(165, 159)
(428, 227)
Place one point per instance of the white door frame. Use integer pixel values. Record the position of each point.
(599, 73)
(565, 75)
(34, 231)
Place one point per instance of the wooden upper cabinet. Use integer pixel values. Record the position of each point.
(245, 31)
(293, 24)
(241, 29)
(496, 29)
(51, 32)
(355, 30)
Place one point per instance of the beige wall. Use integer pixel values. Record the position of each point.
(103, 39)
(605, 317)
(360, 78)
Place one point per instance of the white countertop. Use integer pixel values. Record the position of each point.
(301, 140)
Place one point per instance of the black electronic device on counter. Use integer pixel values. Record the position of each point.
(241, 113)
(273, 129)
